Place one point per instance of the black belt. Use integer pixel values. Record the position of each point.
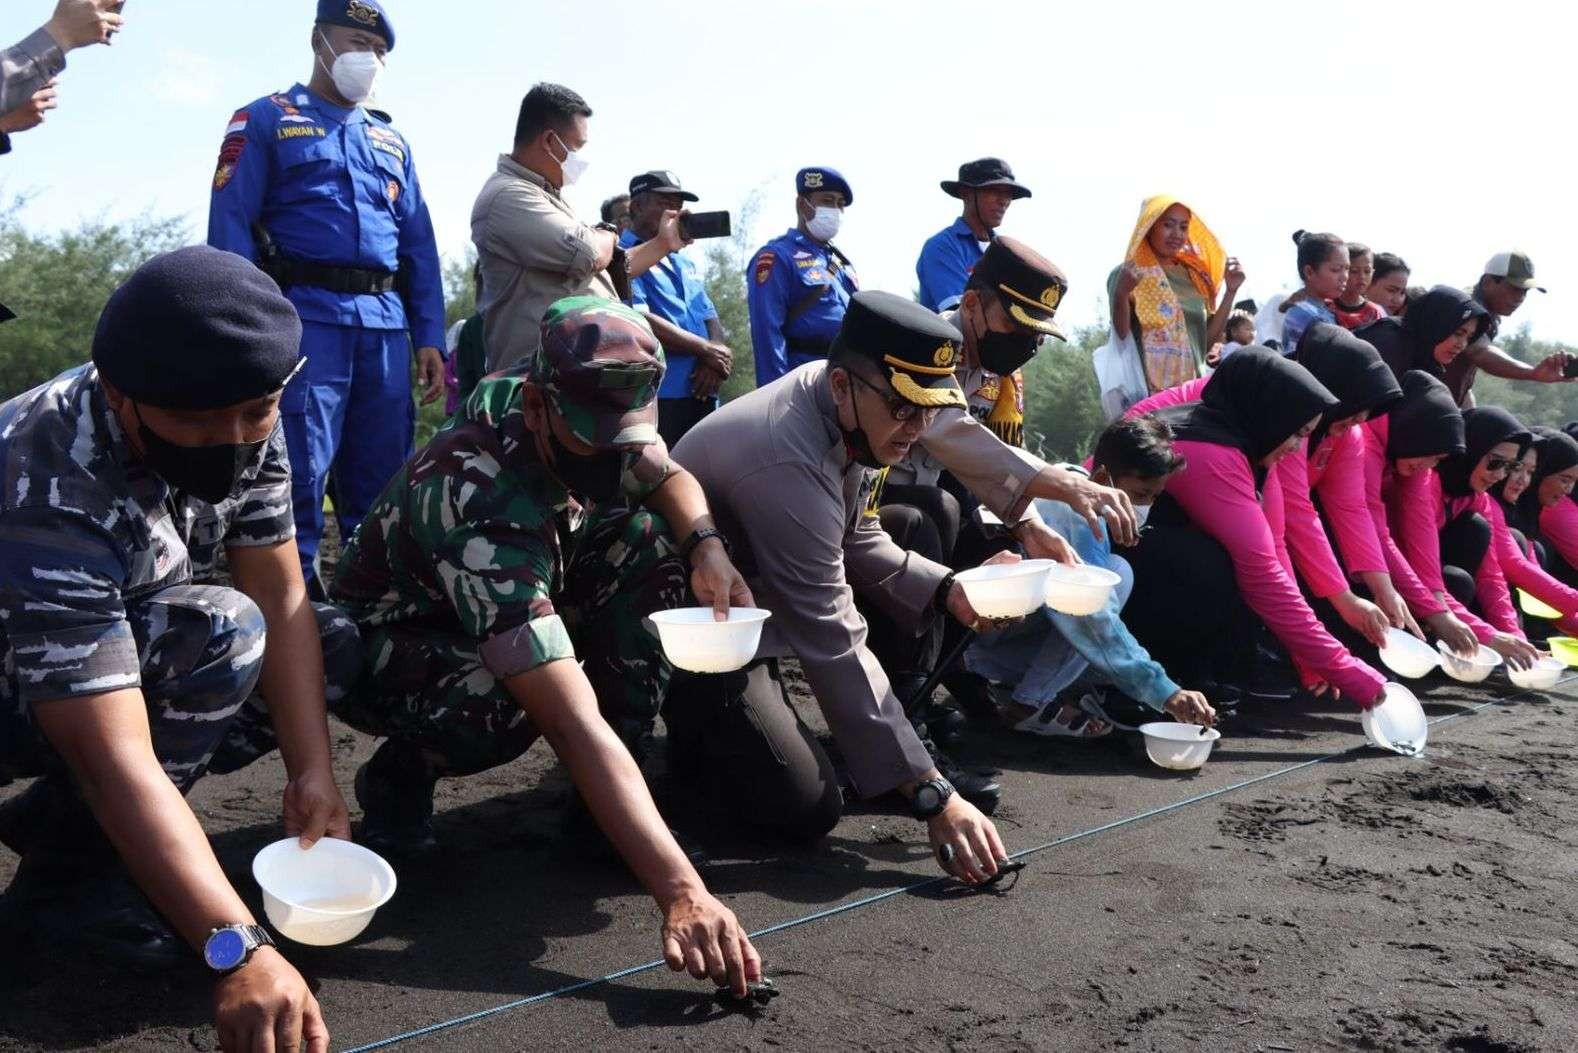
(808, 347)
(327, 276)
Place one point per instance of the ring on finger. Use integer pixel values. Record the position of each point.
(945, 854)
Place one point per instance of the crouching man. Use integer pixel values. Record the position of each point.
(127, 675)
(501, 580)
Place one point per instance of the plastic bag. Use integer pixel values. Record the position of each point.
(1119, 375)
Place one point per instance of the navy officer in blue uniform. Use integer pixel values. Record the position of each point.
(322, 193)
(799, 283)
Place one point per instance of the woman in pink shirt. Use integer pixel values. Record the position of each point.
(1256, 409)
(1330, 468)
(1453, 535)
(1401, 452)
(1549, 501)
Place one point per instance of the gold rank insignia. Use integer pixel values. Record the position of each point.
(392, 191)
(947, 355)
(1051, 296)
(363, 13)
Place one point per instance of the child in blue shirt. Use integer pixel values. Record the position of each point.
(1048, 652)
(1323, 268)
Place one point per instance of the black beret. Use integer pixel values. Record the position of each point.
(918, 349)
(197, 329)
(1031, 286)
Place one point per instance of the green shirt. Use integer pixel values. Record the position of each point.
(468, 537)
(1196, 318)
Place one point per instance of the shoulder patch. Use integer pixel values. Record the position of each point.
(764, 266)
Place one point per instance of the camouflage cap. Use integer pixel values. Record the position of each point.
(600, 367)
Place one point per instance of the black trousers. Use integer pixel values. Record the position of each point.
(1464, 543)
(677, 416)
(739, 746)
(1185, 608)
(924, 520)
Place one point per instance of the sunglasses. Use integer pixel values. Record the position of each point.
(1501, 464)
(898, 409)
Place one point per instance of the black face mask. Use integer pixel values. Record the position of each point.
(1002, 353)
(208, 473)
(856, 440)
(597, 477)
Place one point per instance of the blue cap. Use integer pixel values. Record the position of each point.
(357, 14)
(810, 180)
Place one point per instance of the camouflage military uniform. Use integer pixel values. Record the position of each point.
(98, 559)
(475, 566)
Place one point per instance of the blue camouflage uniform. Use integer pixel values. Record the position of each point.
(336, 187)
(799, 290)
(945, 264)
(106, 584)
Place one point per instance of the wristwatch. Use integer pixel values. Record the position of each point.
(931, 797)
(230, 947)
(691, 543)
(939, 599)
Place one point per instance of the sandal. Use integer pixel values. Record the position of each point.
(1064, 721)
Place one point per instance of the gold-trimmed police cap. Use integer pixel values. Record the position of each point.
(1030, 286)
(916, 350)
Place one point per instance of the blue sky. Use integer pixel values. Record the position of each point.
(1441, 131)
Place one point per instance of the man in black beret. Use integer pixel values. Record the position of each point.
(987, 187)
(127, 673)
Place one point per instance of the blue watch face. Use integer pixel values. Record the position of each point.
(225, 949)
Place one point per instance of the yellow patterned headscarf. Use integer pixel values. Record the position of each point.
(1168, 354)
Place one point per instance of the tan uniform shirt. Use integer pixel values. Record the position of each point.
(533, 252)
(782, 487)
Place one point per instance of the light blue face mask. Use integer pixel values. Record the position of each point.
(1141, 514)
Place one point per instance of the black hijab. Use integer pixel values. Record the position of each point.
(1483, 427)
(1427, 422)
(1254, 401)
(1554, 451)
(1410, 342)
(1351, 370)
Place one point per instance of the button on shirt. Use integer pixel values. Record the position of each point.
(673, 291)
(331, 186)
(86, 528)
(945, 264)
(534, 252)
(797, 290)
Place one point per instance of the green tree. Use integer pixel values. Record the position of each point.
(1063, 414)
(1552, 404)
(58, 283)
(726, 260)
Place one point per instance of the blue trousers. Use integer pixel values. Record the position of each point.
(348, 417)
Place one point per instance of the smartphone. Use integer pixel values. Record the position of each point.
(697, 225)
(1571, 368)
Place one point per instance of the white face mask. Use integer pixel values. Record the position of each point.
(355, 73)
(1141, 514)
(574, 164)
(824, 222)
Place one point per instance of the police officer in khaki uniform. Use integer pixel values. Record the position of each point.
(788, 472)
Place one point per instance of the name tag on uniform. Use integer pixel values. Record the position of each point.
(299, 131)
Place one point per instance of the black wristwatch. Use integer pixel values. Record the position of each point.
(230, 947)
(697, 537)
(939, 599)
(931, 797)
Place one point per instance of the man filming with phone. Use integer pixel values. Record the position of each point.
(672, 291)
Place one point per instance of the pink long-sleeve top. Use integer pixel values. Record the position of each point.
(1559, 527)
(1216, 489)
(1334, 470)
(1506, 565)
(1416, 509)
(1378, 479)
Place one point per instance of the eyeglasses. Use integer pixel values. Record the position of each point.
(898, 409)
(1501, 464)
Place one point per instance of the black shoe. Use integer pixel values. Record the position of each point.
(973, 695)
(395, 790)
(49, 816)
(69, 902)
(983, 791)
(929, 716)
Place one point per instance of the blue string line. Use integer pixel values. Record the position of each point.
(879, 897)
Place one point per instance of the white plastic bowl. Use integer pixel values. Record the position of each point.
(1006, 590)
(1079, 590)
(321, 895)
(1407, 655)
(1543, 674)
(1469, 670)
(1178, 747)
(1397, 723)
(696, 643)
